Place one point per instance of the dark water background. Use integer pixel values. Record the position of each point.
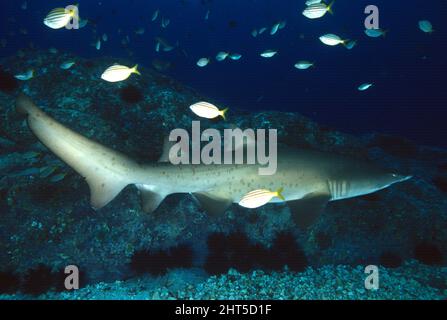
(407, 67)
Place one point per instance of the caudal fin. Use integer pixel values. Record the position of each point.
(106, 171)
(329, 7)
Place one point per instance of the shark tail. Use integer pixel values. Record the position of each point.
(106, 171)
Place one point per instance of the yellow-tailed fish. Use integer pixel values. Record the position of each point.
(203, 62)
(332, 40)
(365, 86)
(258, 198)
(262, 30)
(375, 33)
(25, 76)
(235, 56)
(155, 15)
(311, 2)
(208, 110)
(317, 10)
(165, 22)
(67, 65)
(425, 26)
(303, 65)
(274, 29)
(58, 18)
(118, 73)
(221, 56)
(350, 44)
(282, 24)
(268, 53)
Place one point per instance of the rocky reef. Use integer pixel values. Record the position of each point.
(46, 222)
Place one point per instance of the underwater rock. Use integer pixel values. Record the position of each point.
(441, 183)
(131, 94)
(9, 282)
(390, 259)
(428, 253)
(8, 83)
(51, 222)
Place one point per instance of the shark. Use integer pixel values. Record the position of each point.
(310, 179)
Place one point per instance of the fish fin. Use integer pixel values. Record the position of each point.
(213, 204)
(85, 156)
(135, 70)
(223, 113)
(279, 194)
(329, 7)
(104, 189)
(305, 211)
(150, 200)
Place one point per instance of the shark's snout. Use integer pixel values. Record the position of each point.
(400, 177)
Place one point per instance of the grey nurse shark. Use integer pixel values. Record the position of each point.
(310, 179)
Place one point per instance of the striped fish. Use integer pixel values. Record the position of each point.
(311, 2)
(258, 198)
(207, 110)
(58, 18)
(118, 73)
(317, 10)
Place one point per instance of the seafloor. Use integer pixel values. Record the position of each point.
(180, 252)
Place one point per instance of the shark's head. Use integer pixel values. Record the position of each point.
(360, 178)
(371, 179)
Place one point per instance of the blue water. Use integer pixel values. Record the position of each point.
(408, 98)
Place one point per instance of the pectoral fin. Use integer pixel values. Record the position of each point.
(307, 210)
(211, 203)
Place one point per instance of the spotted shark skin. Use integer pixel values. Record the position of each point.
(310, 179)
